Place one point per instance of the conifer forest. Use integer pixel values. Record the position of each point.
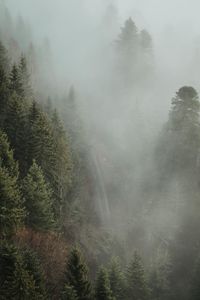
(99, 150)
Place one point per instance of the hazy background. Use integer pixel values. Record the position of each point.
(122, 127)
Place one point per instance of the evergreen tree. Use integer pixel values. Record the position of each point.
(76, 277)
(15, 281)
(116, 277)
(40, 145)
(4, 61)
(136, 282)
(102, 289)
(69, 293)
(128, 53)
(178, 150)
(16, 84)
(15, 125)
(25, 78)
(34, 269)
(38, 199)
(6, 156)
(63, 162)
(11, 203)
(195, 282)
(4, 96)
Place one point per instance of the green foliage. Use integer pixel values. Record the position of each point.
(6, 155)
(34, 269)
(69, 293)
(102, 288)
(63, 162)
(15, 126)
(117, 280)
(195, 282)
(38, 199)
(136, 281)
(4, 61)
(179, 145)
(16, 283)
(16, 84)
(25, 78)
(76, 277)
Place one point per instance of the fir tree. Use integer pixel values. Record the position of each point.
(6, 156)
(195, 282)
(4, 95)
(12, 211)
(25, 78)
(76, 277)
(16, 84)
(34, 269)
(102, 288)
(136, 282)
(15, 281)
(4, 61)
(178, 150)
(69, 293)
(38, 199)
(15, 125)
(117, 280)
(63, 162)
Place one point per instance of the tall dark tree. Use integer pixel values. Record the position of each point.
(25, 78)
(102, 288)
(179, 146)
(38, 199)
(15, 281)
(12, 211)
(63, 161)
(16, 84)
(127, 47)
(117, 280)
(76, 276)
(195, 282)
(4, 60)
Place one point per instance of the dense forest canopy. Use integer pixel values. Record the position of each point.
(99, 152)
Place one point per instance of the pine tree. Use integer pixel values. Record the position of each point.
(12, 211)
(76, 277)
(40, 145)
(6, 156)
(127, 48)
(102, 289)
(16, 84)
(4, 61)
(25, 78)
(136, 282)
(116, 277)
(195, 282)
(63, 162)
(69, 293)
(34, 269)
(178, 150)
(15, 281)
(38, 199)
(15, 125)
(4, 95)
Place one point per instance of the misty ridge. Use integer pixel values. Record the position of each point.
(99, 150)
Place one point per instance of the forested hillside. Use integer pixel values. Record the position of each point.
(92, 205)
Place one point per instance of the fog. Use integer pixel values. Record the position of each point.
(122, 122)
